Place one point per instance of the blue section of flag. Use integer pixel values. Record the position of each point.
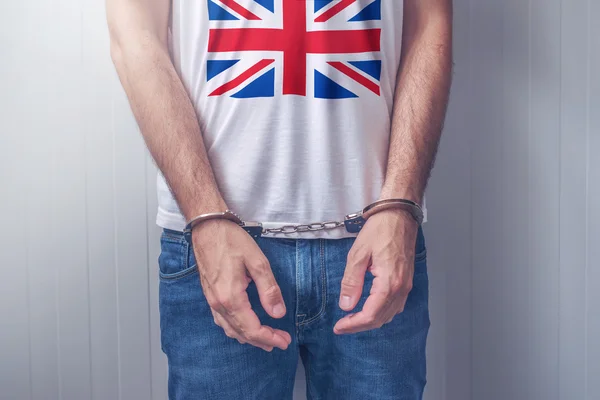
(369, 13)
(217, 13)
(268, 4)
(326, 88)
(215, 67)
(372, 68)
(320, 4)
(263, 86)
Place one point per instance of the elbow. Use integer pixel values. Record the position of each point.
(116, 47)
(133, 46)
(116, 53)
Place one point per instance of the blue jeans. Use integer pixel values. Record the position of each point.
(204, 364)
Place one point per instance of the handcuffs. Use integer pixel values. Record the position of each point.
(352, 222)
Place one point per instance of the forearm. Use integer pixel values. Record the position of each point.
(168, 122)
(420, 101)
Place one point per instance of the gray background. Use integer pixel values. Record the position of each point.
(514, 231)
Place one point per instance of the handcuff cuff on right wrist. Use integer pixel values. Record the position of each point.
(352, 222)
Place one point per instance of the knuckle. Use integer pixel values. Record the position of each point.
(213, 303)
(229, 333)
(273, 291)
(225, 302)
(350, 282)
(396, 286)
(251, 336)
(259, 265)
(406, 287)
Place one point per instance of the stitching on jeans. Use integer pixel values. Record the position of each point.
(323, 287)
(307, 374)
(421, 256)
(172, 238)
(297, 285)
(179, 275)
(187, 268)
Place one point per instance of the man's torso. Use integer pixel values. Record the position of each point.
(294, 100)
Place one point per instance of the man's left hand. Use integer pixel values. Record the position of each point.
(385, 246)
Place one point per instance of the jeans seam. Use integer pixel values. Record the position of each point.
(297, 287)
(172, 238)
(307, 373)
(187, 269)
(323, 287)
(178, 275)
(421, 256)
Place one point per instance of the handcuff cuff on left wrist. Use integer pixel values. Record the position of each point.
(352, 222)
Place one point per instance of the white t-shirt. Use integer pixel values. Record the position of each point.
(294, 100)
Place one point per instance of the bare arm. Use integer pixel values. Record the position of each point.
(421, 97)
(163, 110)
(386, 243)
(225, 254)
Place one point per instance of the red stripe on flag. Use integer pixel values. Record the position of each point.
(245, 39)
(294, 42)
(316, 42)
(343, 68)
(232, 84)
(240, 10)
(322, 42)
(327, 15)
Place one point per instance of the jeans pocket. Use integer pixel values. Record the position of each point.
(176, 259)
(420, 253)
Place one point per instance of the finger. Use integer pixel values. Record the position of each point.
(245, 321)
(353, 281)
(268, 289)
(218, 318)
(283, 334)
(225, 305)
(227, 328)
(232, 333)
(372, 316)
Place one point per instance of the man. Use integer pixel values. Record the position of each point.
(293, 114)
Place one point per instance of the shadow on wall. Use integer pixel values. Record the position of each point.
(514, 125)
(494, 185)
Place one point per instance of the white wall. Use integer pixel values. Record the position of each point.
(514, 231)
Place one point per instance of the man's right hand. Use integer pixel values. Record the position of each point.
(228, 260)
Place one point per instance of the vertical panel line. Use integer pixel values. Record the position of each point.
(56, 279)
(471, 195)
(148, 276)
(587, 196)
(86, 219)
(28, 304)
(558, 248)
(116, 241)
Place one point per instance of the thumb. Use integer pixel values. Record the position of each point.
(268, 289)
(354, 277)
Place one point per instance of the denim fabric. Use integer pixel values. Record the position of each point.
(387, 363)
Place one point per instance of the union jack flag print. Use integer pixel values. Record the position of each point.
(327, 49)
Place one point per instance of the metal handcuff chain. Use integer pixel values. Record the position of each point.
(353, 222)
(315, 226)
